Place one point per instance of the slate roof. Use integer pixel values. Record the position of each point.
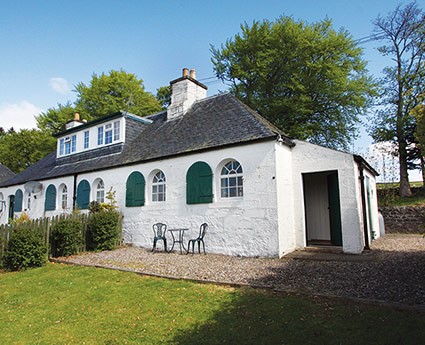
(210, 123)
(5, 173)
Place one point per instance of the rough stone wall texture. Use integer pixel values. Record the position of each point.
(404, 219)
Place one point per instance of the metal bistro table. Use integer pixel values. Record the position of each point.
(179, 239)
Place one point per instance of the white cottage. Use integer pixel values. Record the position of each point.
(205, 159)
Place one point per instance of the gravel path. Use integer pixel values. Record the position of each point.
(394, 273)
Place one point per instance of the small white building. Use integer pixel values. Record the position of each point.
(205, 159)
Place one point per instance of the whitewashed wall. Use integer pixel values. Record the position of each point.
(285, 199)
(246, 226)
(269, 220)
(309, 158)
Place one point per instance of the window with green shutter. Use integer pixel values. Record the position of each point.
(18, 201)
(50, 201)
(83, 195)
(199, 184)
(135, 190)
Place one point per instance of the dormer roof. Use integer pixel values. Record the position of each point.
(211, 123)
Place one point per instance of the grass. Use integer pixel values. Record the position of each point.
(388, 195)
(76, 305)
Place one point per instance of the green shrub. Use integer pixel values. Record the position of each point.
(66, 237)
(26, 249)
(103, 230)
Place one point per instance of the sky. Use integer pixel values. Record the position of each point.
(49, 46)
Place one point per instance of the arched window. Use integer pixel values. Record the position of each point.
(159, 187)
(50, 201)
(199, 184)
(135, 190)
(231, 180)
(100, 191)
(83, 195)
(63, 190)
(18, 201)
(29, 201)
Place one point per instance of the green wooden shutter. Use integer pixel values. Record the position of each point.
(83, 195)
(18, 201)
(135, 190)
(50, 201)
(199, 184)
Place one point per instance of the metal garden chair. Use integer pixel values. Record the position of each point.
(200, 239)
(159, 230)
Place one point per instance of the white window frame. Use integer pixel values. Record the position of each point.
(29, 201)
(231, 180)
(64, 197)
(68, 145)
(100, 191)
(159, 187)
(86, 140)
(108, 133)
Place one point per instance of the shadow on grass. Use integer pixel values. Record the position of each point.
(264, 317)
(261, 317)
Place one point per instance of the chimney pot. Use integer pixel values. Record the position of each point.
(193, 73)
(76, 116)
(185, 72)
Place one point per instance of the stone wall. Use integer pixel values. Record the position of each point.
(404, 219)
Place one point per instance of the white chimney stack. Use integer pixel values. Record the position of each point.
(185, 91)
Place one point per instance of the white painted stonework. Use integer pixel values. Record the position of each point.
(269, 220)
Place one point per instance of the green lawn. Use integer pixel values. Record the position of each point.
(60, 304)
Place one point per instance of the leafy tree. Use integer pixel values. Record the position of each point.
(308, 79)
(163, 94)
(404, 33)
(116, 91)
(54, 119)
(106, 94)
(19, 150)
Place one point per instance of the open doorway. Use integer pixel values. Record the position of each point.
(322, 208)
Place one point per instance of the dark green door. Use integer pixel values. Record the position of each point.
(334, 209)
(11, 207)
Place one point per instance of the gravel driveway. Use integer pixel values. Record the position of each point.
(394, 271)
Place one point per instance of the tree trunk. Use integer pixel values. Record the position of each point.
(404, 177)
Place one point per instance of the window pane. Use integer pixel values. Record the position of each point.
(108, 137)
(73, 143)
(67, 147)
(232, 181)
(100, 136)
(116, 130)
(86, 139)
(61, 147)
(224, 193)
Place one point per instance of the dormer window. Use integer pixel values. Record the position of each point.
(68, 145)
(108, 133)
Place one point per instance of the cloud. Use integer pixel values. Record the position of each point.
(18, 116)
(59, 85)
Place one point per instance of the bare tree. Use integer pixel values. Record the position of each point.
(403, 31)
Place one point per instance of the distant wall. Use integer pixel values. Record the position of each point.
(404, 219)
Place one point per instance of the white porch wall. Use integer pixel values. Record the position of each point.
(374, 205)
(309, 158)
(285, 197)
